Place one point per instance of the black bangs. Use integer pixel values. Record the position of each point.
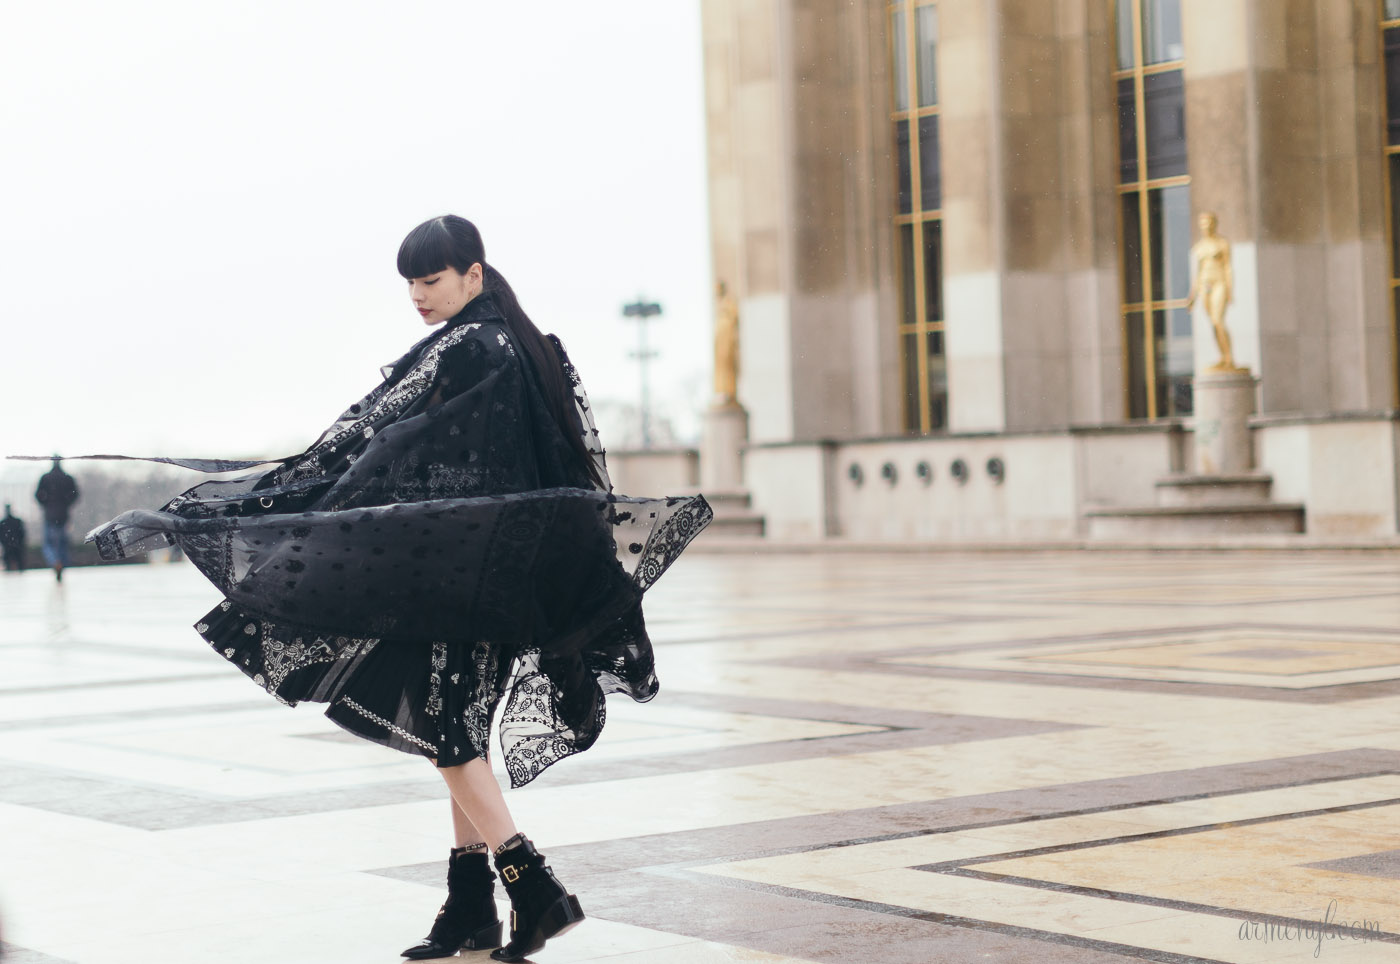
(426, 250)
(445, 242)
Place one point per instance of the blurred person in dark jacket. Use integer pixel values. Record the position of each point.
(56, 493)
(12, 540)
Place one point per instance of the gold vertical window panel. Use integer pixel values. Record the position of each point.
(1155, 208)
(918, 220)
(1390, 41)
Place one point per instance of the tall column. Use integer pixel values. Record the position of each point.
(1284, 121)
(1034, 336)
(801, 211)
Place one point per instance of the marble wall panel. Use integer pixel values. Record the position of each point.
(873, 366)
(1343, 470)
(757, 37)
(1035, 500)
(1034, 18)
(654, 470)
(1094, 340)
(1217, 135)
(789, 485)
(975, 399)
(1035, 240)
(1029, 75)
(1218, 33)
(974, 348)
(765, 380)
(967, 57)
(970, 229)
(1119, 468)
(822, 376)
(763, 262)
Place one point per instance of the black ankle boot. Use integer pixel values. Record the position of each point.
(540, 908)
(468, 919)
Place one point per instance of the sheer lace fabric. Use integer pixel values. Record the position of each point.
(437, 550)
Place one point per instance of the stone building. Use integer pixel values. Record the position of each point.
(959, 234)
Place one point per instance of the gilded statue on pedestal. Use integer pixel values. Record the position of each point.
(1215, 283)
(726, 347)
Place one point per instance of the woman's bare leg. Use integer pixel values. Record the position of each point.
(468, 919)
(464, 832)
(477, 797)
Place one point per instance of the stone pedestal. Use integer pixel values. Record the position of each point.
(1222, 497)
(1223, 402)
(724, 430)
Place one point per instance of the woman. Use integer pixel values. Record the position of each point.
(450, 541)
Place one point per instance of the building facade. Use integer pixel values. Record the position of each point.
(960, 235)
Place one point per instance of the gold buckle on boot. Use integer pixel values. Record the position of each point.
(510, 873)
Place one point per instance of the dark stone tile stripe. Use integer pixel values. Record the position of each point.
(111, 684)
(795, 923)
(1174, 633)
(151, 808)
(767, 838)
(652, 882)
(127, 716)
(1385, 864)
(949, 866)
(1151, 598)
(196, 652)
(1331, 693)
(876, 663)
(901, 729)
(663, 638)
(1379, 936)
(966, 867)
(1035, 944)
(14, 954)
(158, 808)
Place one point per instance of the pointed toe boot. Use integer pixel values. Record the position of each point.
(467, 921)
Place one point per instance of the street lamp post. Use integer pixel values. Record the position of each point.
(643, 311)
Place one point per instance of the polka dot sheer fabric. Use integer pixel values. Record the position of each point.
(439, 549)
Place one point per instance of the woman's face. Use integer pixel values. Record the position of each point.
(438, 297)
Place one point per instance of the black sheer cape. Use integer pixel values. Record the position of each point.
(438, 548)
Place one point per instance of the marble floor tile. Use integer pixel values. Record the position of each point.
(1061, 758)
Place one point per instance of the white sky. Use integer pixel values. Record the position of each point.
(200, 204)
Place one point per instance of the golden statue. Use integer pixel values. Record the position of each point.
(726, 346)
(1215, 283)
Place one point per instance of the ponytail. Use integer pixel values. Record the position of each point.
(549, 367)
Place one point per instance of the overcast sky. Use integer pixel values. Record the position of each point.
(202, 203)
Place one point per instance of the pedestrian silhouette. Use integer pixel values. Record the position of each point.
(56, 493)
(12, 540)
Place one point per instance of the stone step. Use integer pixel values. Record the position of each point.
(727, 502)
(746, 525)
(1169, 523)
(1175, 491)
(734, 515)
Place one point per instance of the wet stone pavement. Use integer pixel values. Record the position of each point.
(1081, 758)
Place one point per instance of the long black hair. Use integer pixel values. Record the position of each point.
(453, 242)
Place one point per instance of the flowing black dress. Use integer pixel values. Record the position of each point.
(440, 548)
